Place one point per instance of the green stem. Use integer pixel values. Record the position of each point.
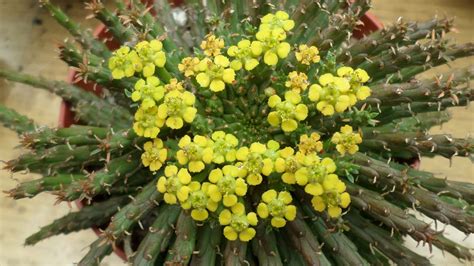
(89, 216)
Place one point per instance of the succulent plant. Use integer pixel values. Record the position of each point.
(257, 132)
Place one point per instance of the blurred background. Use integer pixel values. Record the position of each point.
(28, 41)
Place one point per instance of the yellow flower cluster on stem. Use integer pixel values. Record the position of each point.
(287, 113)
(272, 33)
(307, 55)
(335, 94)
(277, 205)
(346, 141)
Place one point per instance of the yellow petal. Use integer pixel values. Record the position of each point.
(283, 49)
(171, 170)
(280, 165)
(262, 210)
(217, 85)
(238, 208)
(236, 64)
(325, 79)
(314, 189)
(229, 200)
(169, 198)
(247, 234)
(251, 64)
(258, 147)
(230, 233)
(289, 125)
(183, 193)
(278, 222)
(267, 168)
(196, 166)
(318, 204)
(334, 212)
(240, 187)
(301, 176)
(269, 195)
(285, 196)
(228, 75)
(290, 213)
(270, 58)
(161, 184)
(252, 218)
(203, 79)
(184, 176)
(189, 114)
(225, 217)
(345, 200)
(215, 175)
(174, 122)
(256, 48)
(199, 214)
(288, 178)
(221, 60)
(301, 112)
(274, 100)
(254, 179)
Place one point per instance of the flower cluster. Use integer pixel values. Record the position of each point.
(287, 113)
(272, 33)
(307, 55)
(160, 104)
(211, 174)
(338, 93)
(346, 141)
(213, 71)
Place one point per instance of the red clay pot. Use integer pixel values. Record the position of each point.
(66, 116)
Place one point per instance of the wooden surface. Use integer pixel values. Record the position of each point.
(28, 40)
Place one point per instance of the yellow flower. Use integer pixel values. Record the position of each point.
(245, 53)
(212, 45)
(226, 185)
(331, 95)
(237, 223)
(155, 154)
(273, 46)
(174, 85)
(288, 163)
(307, 55)
(176, 107)
(151, 55)
(334, 197)
(297, 82)
(346, 140)
(314, 172)
(278, 206)
(287, 113)
(174, 184)
(310, 144)
(214, 74)
(279, 20)
(199, 201)
(124, 63)
(149, 92)
(189, 66)
(356, 79)
(224, 147)
(356, 76)
(194, 153)
(253, 163)
(147, 123)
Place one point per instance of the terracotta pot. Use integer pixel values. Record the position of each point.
(66, 116)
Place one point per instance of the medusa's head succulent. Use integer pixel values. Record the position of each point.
(251, 132)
